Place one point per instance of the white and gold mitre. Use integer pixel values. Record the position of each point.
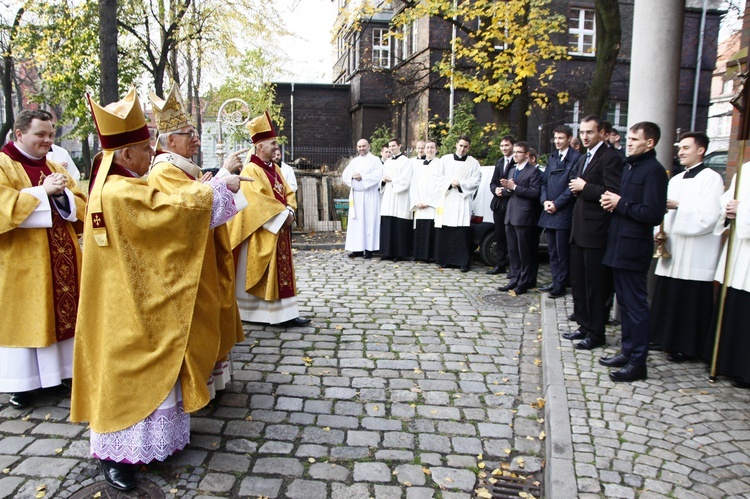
(170, 113)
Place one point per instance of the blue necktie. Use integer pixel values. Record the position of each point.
(586, 164)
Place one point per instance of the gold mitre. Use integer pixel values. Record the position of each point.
(170, 113)
(261, 129)
(121, 123)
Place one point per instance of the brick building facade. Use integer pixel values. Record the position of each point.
(390, 80)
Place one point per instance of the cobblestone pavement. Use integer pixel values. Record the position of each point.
(673, 435)
(411, 383)
(416, 382)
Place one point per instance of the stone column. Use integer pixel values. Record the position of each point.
(655, 68)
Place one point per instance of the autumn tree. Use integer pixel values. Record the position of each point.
(108, 86)
(8, 36)
(608, 35)
(61, 44)
(249, 79)
(505, 50)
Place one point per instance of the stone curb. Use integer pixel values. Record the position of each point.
(559, 474)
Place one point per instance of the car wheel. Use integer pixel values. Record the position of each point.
(487, 249)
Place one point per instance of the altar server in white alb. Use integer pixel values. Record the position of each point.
(459, 181)
(424, 200)
(682, 305)
(735, 341)
(363, 175)
(395, 207)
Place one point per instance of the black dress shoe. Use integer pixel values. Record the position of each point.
(520, 290)
(117, 475)
(572, 317)
(739, 383)
(557, 293)
(465, 268)
(548, 287)
(574, 335)
(496, 270)
(589, 344)
(20, 400)
(296, 322)
(677, 357)
(619, 360)
(396, 259)
(629, 373)
(355, 254)
(368, 255)
(507, 287)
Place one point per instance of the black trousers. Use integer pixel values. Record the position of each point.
(523, 249)
(558, 246)
(632, 296)
(591, 285)
(501, 249)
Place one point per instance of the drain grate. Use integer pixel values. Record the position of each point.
(143, 490)
(508, 487)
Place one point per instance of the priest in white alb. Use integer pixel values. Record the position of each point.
(363, 175)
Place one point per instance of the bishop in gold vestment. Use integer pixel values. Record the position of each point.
(216, 304)
(140, 366)
(261, 237)
(39, 261)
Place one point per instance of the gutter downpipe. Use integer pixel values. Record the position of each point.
(698, 66)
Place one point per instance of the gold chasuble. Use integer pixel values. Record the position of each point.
(42, 266)
(270, 271)
(135, 333)
(216, 305)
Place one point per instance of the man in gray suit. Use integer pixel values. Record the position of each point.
(523, 187)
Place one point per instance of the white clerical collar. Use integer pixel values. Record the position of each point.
(18, 146)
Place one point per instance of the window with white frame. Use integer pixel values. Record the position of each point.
(582, 32)
(574, 117)
(381, 48)
(617, 114)
(414, 42)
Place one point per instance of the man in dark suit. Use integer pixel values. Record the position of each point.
(557, 202)
(639, 206)
(595, 173)
(499, 203)
(522, 188)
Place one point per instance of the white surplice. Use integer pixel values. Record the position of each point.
(363, 229)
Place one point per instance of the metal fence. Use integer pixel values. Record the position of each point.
(318, 171)
(316, 158)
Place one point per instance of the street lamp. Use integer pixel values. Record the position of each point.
(231, 119)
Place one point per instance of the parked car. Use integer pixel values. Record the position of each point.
(717, 161)
(482, 223)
